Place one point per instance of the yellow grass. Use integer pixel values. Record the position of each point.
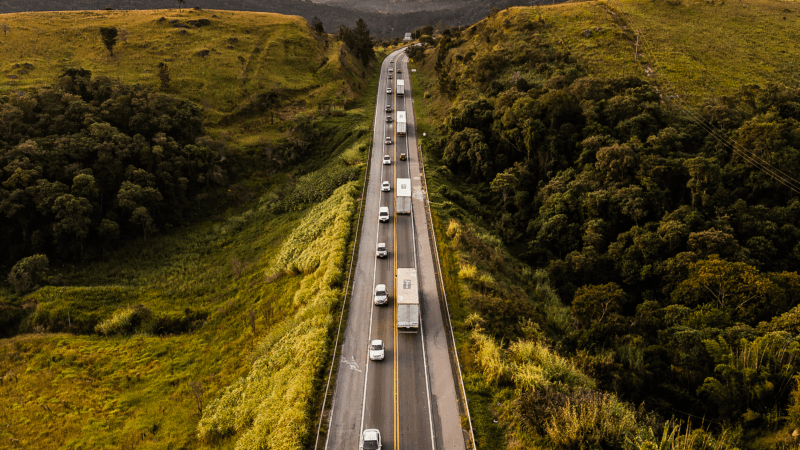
(278, 53)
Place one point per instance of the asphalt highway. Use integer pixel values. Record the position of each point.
(394, 395)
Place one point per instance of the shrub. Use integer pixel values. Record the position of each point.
(28, 273)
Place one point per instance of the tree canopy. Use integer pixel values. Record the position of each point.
(90, 161)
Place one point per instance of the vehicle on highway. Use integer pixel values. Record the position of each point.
(390, 76)
(398, 70)
(387, 160)
(386, 186)
(381, 297)
(383, 214)
(388, 108)
(407, 301)
(376, 350)
(403, 200)
(401, 123)
(391, 61)
(401, 86)
(389, 119)
(381, 251)
(370, 440)
(388, 141)
(388, 90)
(403, 157)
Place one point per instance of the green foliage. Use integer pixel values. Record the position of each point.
(656, 235)
(29, 273)
(358, 40)
(81, 163)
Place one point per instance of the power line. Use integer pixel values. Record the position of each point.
(751, 157)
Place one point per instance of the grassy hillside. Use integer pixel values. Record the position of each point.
(247, 54)
(558, 173)
(252, 286)
(204, 336)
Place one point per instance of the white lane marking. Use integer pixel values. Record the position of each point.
(421, 328)
(371, 302)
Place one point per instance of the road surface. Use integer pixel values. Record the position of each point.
(411, 395)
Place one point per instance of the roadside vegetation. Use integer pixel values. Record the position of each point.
(613, 269)
(154, 339)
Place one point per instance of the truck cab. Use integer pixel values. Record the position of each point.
(383, 214)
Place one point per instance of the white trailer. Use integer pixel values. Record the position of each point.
(401, 123)
(408, 312)
(403, 191)
(401, 87)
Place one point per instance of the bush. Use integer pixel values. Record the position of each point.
(29, 273)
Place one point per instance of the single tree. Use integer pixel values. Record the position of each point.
(365, 43)
(5, 28)
(163, 75)
(180, 5)
(317, 24)
(109, 36)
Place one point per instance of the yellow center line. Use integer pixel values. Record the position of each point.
(396, 340)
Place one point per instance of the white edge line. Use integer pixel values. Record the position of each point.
(414, 237)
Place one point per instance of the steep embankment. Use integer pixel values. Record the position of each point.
(651, 249)
(209, 335)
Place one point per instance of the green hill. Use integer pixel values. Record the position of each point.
(213, 332)
(613, 253)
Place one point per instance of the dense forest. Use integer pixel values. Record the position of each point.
(676, 256)
(89, 161)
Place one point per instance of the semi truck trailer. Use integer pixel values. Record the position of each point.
(408, 312)
(401, 123)
(403, 199)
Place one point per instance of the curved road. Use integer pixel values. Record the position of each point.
(411, 395)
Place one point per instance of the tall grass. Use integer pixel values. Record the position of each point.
(268, 408)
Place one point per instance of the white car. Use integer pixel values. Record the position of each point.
(388, 90)
(388, 141)
(383, 214)
(376, 350)
(381, 297)
(381, 251)
(386, 186)
(370, 440)
(387, 160)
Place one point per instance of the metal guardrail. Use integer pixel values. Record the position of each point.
(435, 249)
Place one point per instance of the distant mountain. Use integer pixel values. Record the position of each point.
(385, 19)
(403, 6)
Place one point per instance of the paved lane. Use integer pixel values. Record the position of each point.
(411, 395)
